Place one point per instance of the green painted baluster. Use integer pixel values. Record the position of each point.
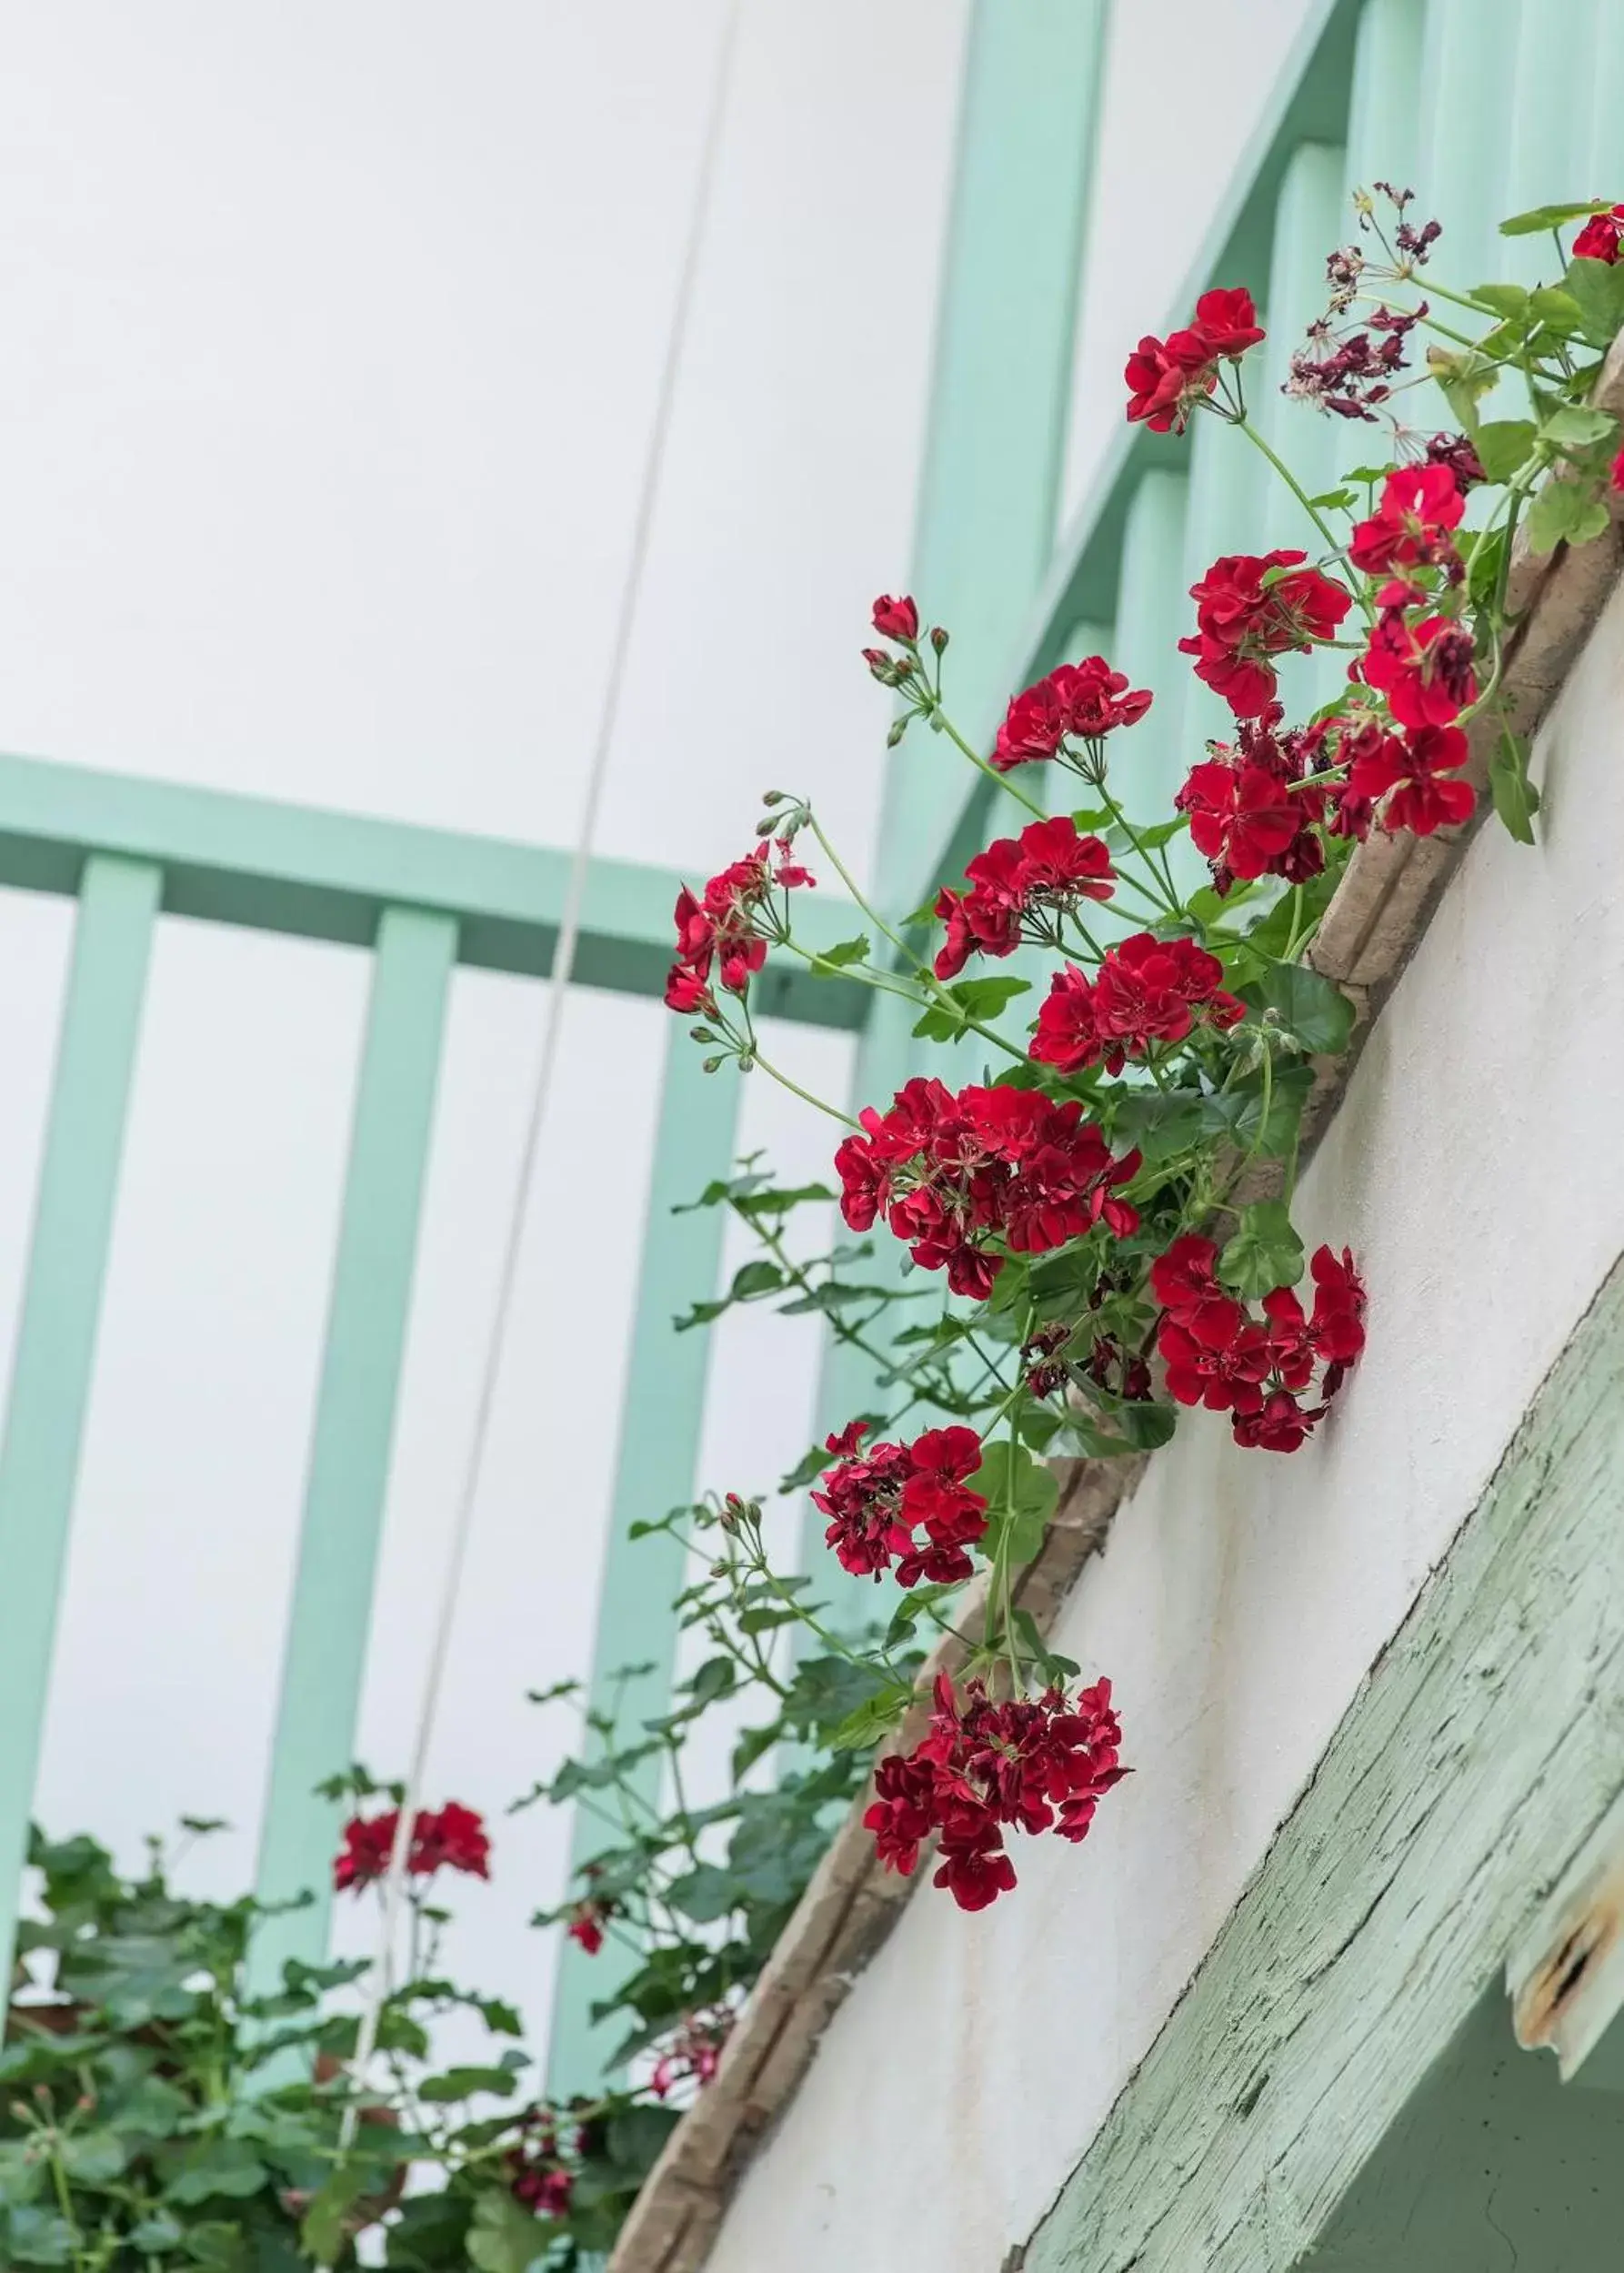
(1469, 58)
(56, 1348)
(659, 1444)
(1154, 612)
(1605, 157)
(345, 1492)
(990, 484)
(988, 494)
(1546, 163)
(1310, 221)
(1384, 107)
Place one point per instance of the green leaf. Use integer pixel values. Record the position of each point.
(1334, 500)
(832, 959)
(1516, 800)
(751, 1746)
(981, 999)
(1502, 300)
(462, 2083)
(1305, 1005)
(705, 1894)
(1160, 1125)
(1564, 512)
(1266, 1252)
(1146, 1425)
(1465, 377)
(716, 1678)
(503, 2236)
(1020, 1498)
(1557, 308)
(22, 2171)
(38, 2236)
(862, 1730)
(1598, 287)
(500, 2018)
(155, 2237)
(94, 2158)
(637, 2134)
(1503, 446)
(321, 2229)
(1577, 425)
(155, 2109)
(827, 1690)
(213, 2166)
(1540, 217)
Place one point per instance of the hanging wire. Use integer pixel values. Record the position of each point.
(559, 977)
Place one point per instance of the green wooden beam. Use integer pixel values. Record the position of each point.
(1475, 1762)
(1384, 109)
(62, 1302)
(996, 443)
(1605, 63)
(663, 1409)
(329, 1624)
(1309, 104)
(1547, 152)
(1153, 613)
(319, 875)
(1469, 60)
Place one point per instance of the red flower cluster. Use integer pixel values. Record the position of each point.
(1079, 702)
(536, 2176)
(1250, 608)
(1169, 378)
(731, 923)
(695, 2052)
(877, 1501)
(1415, 773)
(587, 1920)
(1600, 237)
(1037, 1764)
(1218, 1356)
(1424, 669)
(1420, 506)
(1018, 882)
(452, 1837)
(1146, 989)
(1245, 815)
(950, 1173)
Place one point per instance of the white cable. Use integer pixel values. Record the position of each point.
(560, 976)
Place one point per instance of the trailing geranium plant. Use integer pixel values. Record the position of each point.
(1108, 1205)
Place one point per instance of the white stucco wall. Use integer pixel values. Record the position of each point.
(1475, 1167)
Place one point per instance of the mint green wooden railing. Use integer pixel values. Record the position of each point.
(424, 900)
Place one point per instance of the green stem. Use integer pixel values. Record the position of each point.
(1332, 542)
(1000, 780)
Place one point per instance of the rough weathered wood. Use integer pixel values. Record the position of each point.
(1566, 1978)
(1380, 910)
(1476, 1757)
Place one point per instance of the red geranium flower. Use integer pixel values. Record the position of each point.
(896, 618)
(1146, 989)
(1278, 1424)
(1184, 1283)
(1033, 1764)
(1241, 817)
(731, 925)
(1415, 776)
(1015, 886)
(1425, 669)
(452, 1837)
(1411, 529)
(1080, 701)
(1167, 379)
(1243, 620)
(586, 1924)
(950, 1174)
(1600, 237)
